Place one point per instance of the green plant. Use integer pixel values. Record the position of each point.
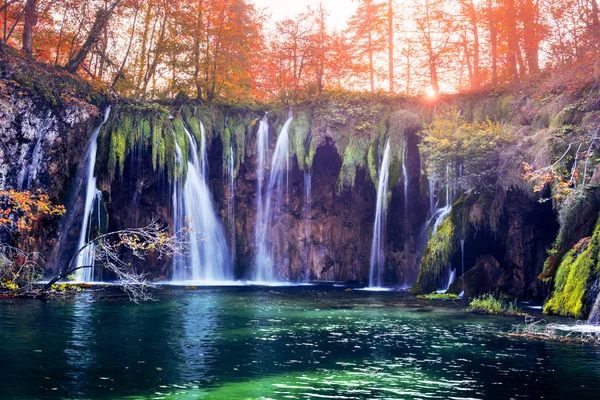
(439, 296)
(488, 304)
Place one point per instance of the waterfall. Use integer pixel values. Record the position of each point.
(594, 317)
(93, 196)
(440, 214)
(451, 277)
(308, 220)
(28, 174)
(462, 260)
(377, 260)
(271, 203)
(405, 178)
(208, 261)
(231, 203)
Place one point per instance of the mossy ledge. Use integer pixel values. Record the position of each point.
(575, 277)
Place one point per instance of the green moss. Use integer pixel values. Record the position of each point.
(439, 296)
(571, 283)
(299, 131)
(372, 162)
(541, 120)
(239, 144)
(312, 150)
(506, 102)
(436, 256)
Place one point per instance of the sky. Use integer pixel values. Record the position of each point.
(339, 10)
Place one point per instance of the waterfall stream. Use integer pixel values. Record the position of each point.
(231, 203)
(377, 260)
(93, 196)
(308, 221)
(405, 179)
(208, 261)
(270, 205)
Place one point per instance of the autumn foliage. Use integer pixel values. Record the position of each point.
(232, 50)
(19, 211)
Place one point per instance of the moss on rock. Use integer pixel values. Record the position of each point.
(576, 272)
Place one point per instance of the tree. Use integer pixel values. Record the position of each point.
(30, 20)
(110, 248)
(101, 20)
(367, 26)
(437, 35)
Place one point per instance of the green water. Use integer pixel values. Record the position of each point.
(278, 343)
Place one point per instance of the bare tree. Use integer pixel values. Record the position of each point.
(109, 252)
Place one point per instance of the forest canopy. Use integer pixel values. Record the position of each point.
(231, 50)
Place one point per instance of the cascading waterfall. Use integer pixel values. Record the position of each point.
(308, 219)
(377, 260)
(451, 277)
(271, 203)
(93, 196)
(231, 203)
(208, 261)
(441, 214)
(594, 317)
(405, 178)
(462, 260)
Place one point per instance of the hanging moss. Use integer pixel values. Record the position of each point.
(239, 145)
(157, 144)
(436, 256)
(299, 131)
(578, 269)
(372, 162)
(312, 150)
(192, 122)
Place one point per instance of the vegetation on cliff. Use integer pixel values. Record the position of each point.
(577, 272)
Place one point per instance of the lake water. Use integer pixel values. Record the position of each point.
(279, 343)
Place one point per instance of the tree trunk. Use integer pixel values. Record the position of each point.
(476, 80)
(531, 39)
(119, 74)
(493, 42)
(512, 40)
(100, 22)
(391, 44)
(28, 24)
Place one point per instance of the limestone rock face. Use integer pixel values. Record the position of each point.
(40, 148)
(39, 144)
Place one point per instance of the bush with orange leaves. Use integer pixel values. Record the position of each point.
(19, 211)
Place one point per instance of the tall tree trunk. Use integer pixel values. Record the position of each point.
(476, 78)
(197, 49)
(60, 35)
(100, 22)
(141, 60)
(28, 24)
(512, 40)
(157, 51)
(493, 41)
(119, 74)
(391, 44)
(430, 54)
(531, 39)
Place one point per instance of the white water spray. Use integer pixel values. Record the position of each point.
(377, 260)
(272, 202)
(193, 208)
(93, 196)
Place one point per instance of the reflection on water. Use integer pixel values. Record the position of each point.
(284, 342)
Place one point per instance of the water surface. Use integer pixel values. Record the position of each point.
(278, 343)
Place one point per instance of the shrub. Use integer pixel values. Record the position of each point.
(488, 304)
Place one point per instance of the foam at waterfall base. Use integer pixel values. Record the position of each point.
(232, 283)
